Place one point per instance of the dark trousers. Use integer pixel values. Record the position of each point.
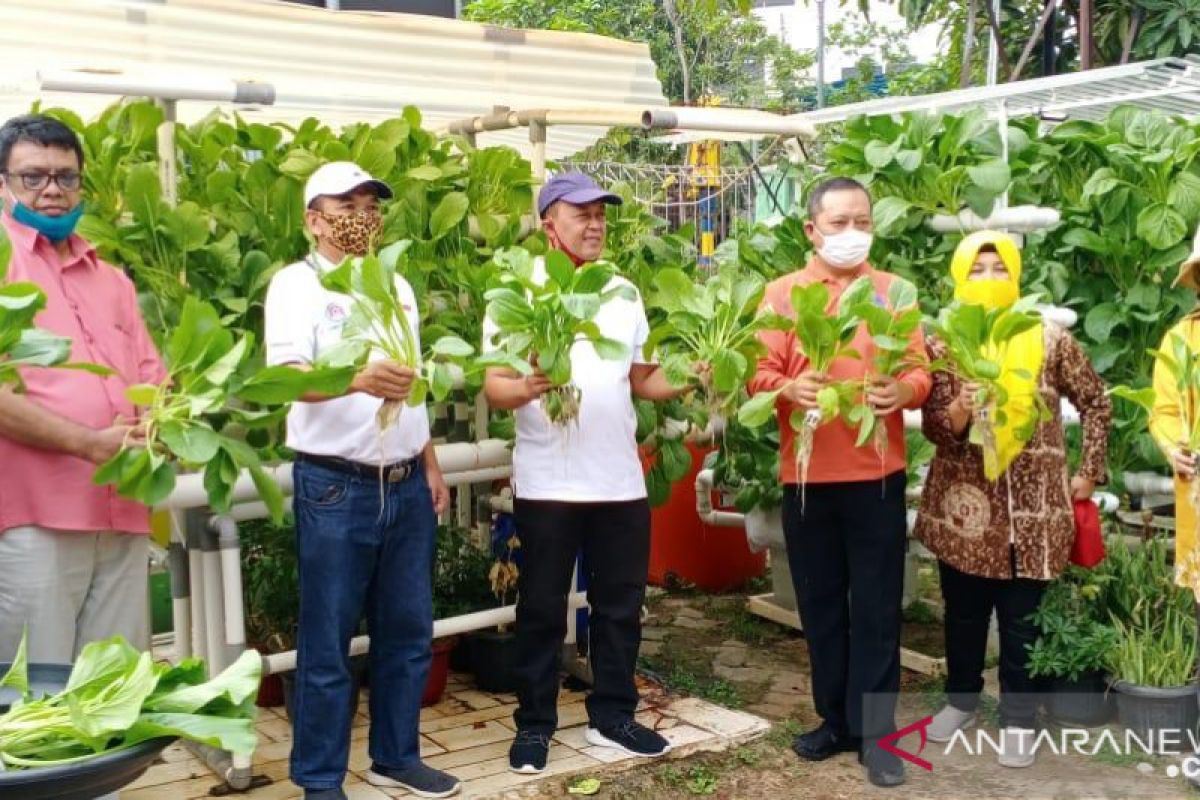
(846, 551)
(969, 601)
(355, 560)
(615, 539)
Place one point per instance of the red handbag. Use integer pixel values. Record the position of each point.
(1088, 549)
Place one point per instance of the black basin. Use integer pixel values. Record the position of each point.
(84, 780)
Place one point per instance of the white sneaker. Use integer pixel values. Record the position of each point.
(1016, 747)
(948, 722)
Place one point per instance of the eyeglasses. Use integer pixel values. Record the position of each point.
(37, 181)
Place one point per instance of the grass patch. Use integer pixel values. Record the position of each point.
(782, 733)
(738, 623)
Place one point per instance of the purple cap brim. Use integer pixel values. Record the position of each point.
(581, 197)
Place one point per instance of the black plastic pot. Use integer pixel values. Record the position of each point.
(494, 660)
(358, 676)
(1085, 702)
(81, 781)
(1142, 709)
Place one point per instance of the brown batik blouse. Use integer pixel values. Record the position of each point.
(969, 522)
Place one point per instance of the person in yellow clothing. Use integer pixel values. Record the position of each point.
(1167, 420)
(1002, 523)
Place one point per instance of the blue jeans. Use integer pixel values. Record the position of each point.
(355, 560)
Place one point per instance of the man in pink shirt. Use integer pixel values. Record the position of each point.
(73, 555)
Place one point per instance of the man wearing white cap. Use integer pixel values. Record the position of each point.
(363, 547)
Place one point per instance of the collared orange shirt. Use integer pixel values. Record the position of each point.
(835, 459)
(95, 305)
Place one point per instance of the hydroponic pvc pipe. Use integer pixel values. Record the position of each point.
(704, 507)
(175, 87)
(1022, 219)
(465, 623)
(711, 119)
(479, 457)
(231, 578)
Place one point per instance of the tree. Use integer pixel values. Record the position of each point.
(702, 48)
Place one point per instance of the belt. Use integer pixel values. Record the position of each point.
(395, 472)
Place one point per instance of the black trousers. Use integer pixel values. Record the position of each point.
(969, 601)
(846, 551)
(615, 539)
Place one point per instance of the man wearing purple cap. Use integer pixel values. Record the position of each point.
(363, 548)
(581, 488)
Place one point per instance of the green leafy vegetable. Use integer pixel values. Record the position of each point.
(184, 420)
(540, 321)
(976, 340)
(117, 697)
(714, 323)
(891, 327)
(822, 338)
(380, 324)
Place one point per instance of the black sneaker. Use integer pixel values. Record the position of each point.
(419, 779)
(823, 742)
(324, 794)
(527, 755)
(629, 737)
(884, 769)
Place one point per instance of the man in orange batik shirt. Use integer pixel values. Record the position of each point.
(846, 532)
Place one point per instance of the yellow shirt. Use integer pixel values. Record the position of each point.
(1166, 426)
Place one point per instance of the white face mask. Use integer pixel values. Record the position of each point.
(845, 250)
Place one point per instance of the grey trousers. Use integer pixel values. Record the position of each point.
(71, 588)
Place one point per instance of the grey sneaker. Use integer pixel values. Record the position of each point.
(419, 779)
(948, 722)
(1016, 747)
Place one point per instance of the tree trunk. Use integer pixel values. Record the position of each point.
(1135, 22)
(677, 26)
(964, 78)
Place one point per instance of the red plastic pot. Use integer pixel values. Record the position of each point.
(270, 692)
(681, 546)
(439, 671)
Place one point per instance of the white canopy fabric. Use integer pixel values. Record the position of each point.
(338, 66)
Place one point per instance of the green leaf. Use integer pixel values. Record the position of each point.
(143, 194)
(425, 172)
(581, 306)
(448, 214)
(193, 443)
(17, 675)
(610, 349)
(1101, 320)
(283, 384)
(675, 458)
(560, 269)
(1161, 226)
(729, 370)
(891, 215)
(758, 410)
(992, 176)
(452, 347)
(269, 492)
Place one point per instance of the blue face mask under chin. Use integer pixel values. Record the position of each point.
(53, 228)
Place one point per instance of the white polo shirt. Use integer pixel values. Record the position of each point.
(304, 320)
(594, 459)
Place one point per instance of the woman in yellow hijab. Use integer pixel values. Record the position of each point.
(1167, 427)
(1002, 524)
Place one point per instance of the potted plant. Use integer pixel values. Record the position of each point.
(271, 585)
(1153, 664)
(493, 651)
(460, 571)
(1074, 649)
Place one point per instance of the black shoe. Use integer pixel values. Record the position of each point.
(324, 794)
(630, 737)
(419, 779)
(527, 755)
(884, 769)
(822, 743)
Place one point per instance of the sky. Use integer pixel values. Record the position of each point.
(796, 22)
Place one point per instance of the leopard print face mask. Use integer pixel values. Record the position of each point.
(355, 233)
